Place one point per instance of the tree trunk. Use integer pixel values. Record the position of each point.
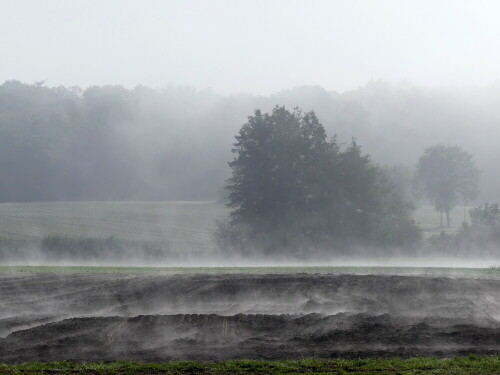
(448, 223)
(441, 225)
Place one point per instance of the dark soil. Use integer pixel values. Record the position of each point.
(218, 317)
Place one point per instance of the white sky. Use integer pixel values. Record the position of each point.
(250, 46)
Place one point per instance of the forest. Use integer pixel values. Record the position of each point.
(115, 143)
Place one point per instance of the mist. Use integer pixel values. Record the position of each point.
(112, 143)
(257, 180)
(141, 101)
(109, 143)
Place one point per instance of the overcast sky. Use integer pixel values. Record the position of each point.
(250, 46)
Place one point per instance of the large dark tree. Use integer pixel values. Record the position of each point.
(292, 189)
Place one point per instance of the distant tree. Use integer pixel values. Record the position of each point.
(479, 238)
(447, 174)
(292, 189)
(488, 214)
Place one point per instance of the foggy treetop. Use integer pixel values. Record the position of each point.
(111, 143)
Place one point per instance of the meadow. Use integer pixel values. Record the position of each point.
(152, 234)
(492, 271)
(181, 224)
(429, 220)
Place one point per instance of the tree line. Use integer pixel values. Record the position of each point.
(112, 143)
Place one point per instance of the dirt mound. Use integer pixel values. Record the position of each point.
(153, 318)
(210, 336)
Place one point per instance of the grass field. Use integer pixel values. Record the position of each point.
(181, 224)
(178, 224)
(429, 220)
(491, 271)
(470, 365)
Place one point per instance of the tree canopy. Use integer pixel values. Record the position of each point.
(293, 189)
(447, 174)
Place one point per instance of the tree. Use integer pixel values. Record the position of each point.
(291, 189)
(275, 174)
(447, 174)
(489, 214)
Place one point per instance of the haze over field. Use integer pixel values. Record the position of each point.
(397, 75)
(110, 143)
(249, 179)
(141, 101)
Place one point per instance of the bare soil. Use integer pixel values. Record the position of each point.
(47, 317)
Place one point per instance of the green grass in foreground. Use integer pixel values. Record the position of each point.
(492, 271)
(459, 366)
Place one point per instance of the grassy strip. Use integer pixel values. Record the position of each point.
(252, 270)
(457, 366)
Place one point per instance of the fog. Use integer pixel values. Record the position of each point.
(227, 316)
(140, 102)
(265, 179)
(111, 143)
(257, 47)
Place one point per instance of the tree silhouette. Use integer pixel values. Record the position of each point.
(447, 174)
(291, 189)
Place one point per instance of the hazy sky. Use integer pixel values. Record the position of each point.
(250, 46)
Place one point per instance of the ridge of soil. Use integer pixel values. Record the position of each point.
(220, 317)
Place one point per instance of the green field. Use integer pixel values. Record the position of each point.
(180, 224)
(441, 271)
(429, 220)
(470, 365)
